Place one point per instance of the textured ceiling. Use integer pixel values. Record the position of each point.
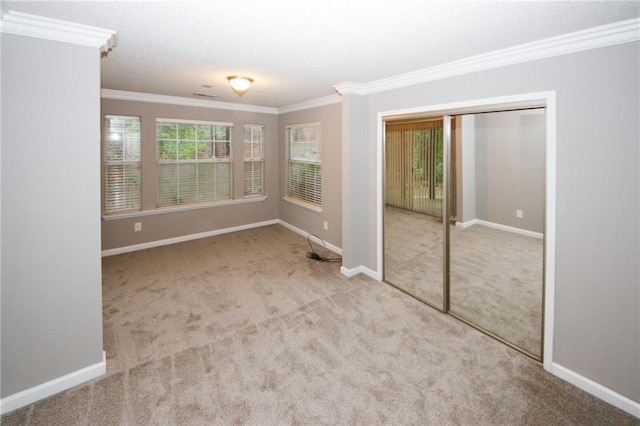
(298, 50)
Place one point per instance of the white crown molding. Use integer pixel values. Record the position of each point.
(53, 29)
(592, 38)
(124, 95)
(177, 100)
(313, 103)
(351, 88)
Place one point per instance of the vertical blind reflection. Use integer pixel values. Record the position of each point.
(414, 168)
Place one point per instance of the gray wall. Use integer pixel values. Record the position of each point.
(51, 277)
(465, 139)
(597, 319)
(509, 168)
(329, 117)
(119, 232)
(357, 186)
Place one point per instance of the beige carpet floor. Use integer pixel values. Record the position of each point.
(244, 329)
(495, 275)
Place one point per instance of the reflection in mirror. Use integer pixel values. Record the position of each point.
(496, 245)
(413, 228)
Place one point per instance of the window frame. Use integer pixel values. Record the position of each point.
(213, 159)
(292, 196)
(107, 163)
(252, 159)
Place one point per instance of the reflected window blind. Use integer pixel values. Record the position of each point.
(413, 166)
(304, 164)
(122, 168)
(194, 162)
(253, 160)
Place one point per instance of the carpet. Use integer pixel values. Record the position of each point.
(242, 328)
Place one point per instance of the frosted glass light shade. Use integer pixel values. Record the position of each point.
(240, 84)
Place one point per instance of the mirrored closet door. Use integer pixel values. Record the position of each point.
(496, 240)
(485, 172)
(413, 209)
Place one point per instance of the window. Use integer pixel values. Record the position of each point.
(194, 162)
(253, 160)
(304, 181)
(122, 164)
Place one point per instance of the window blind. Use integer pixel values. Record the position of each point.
(304, 163)
(194, 162)
(122, 168)
(253, 160)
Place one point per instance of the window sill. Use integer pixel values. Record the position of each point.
(302, 204)
(164, 210)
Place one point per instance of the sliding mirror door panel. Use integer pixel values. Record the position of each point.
(496, 241)
(413, 210)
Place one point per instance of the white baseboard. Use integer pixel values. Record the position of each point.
(44, 390)
(597, 390)
(351, 272)
(183, 238)
(493, 225)
(305, 234)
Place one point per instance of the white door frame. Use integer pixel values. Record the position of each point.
(538, 99)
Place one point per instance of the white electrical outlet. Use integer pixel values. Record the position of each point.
(325, 225)
(137, 227)
(519, 213)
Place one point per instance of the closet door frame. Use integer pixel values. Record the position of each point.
(540, 99)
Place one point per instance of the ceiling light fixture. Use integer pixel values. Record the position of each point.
(240, 84)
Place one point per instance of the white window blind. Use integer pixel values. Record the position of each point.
(194, 162)
(304, 165)
(122, 164)
(253, 160)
